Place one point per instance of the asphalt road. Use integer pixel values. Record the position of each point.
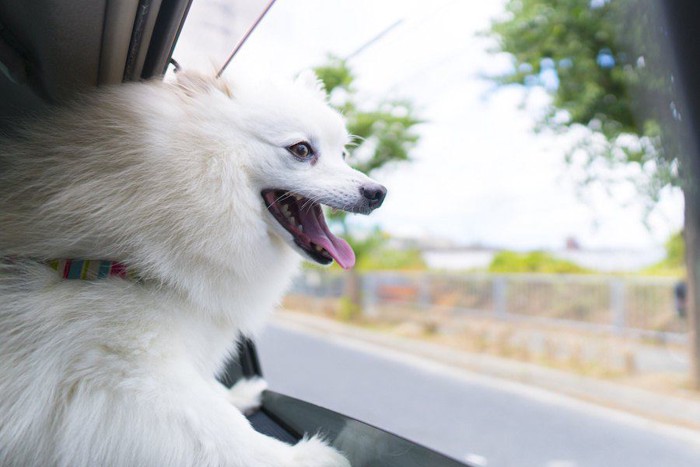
(483, 420)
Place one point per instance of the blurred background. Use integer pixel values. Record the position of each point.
(534, 213)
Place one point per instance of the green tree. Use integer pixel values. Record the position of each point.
(604, 64)
(384, 131)
(384, 134)
(533, 262)
(375, 253)
(673, 264)
(675, 250)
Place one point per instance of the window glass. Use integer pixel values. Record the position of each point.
(521, 297)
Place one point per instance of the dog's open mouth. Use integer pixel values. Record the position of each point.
(303, 219)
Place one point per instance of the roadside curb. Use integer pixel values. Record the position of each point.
(673, 410)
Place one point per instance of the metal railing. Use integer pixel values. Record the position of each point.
(635, 307)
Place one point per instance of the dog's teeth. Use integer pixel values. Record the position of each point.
(300, 227)
(318, 248)
(294, 221)
(298, 197)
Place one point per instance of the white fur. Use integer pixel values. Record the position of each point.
(246, 394)
(165, 177)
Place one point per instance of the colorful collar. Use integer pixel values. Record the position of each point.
(90, 269)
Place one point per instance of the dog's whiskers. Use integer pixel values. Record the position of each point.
(279, 199)
(310, 202)
(307, 205)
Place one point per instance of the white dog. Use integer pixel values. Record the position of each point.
(203, 190)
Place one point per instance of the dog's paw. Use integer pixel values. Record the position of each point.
(313, 452)
(246, 394)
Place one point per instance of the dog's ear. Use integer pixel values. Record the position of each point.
(308, 80)
(193, 83)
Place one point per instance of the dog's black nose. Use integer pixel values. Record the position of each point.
(374, 193)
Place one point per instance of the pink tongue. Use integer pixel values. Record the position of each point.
(316, 229)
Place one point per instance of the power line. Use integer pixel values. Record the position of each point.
(413, 25)
(245, 36)
(374, 40)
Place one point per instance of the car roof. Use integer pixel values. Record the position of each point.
(49, 49)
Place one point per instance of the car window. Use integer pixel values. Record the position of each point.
(521, 297)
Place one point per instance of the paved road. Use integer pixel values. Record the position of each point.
(485, 420)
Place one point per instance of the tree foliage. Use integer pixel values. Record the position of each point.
(533, 262)
(603, 63)
(674, 262)
(375, 253)
(384, 132)
(675, 250)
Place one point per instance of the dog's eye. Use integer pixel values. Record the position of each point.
(301, 151)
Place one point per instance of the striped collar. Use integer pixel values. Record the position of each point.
(90, 269)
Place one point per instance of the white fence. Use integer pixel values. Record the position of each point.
(637, 307)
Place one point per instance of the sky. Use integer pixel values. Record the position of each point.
(479, 175)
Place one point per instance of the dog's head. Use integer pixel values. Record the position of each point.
(295, 160)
